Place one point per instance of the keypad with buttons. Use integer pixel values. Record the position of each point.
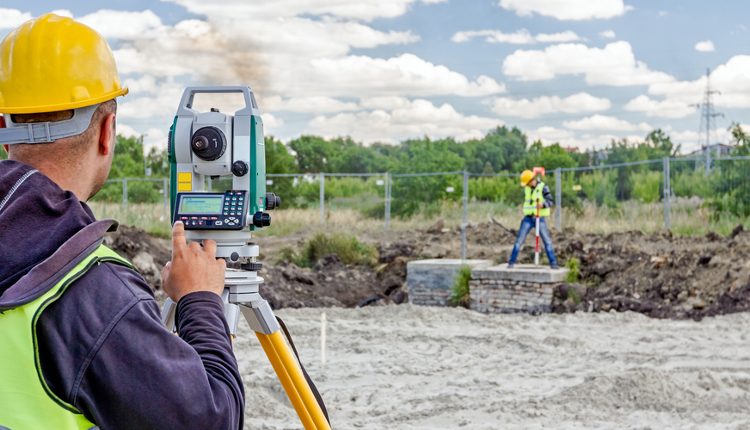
(232, 216)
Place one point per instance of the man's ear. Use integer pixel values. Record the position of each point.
(107, 134)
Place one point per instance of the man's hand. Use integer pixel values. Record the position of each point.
(192, 268)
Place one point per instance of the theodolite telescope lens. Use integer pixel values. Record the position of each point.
(208, 143)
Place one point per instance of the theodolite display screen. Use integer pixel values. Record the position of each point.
(201, 204)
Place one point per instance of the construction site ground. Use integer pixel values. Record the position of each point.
(658, 275)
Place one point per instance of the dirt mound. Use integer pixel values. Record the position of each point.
(664, 276)
(328, 283)
(149, 254)
(658, 275)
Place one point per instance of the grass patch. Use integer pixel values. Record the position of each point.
(348, 249)
(689, 217)
(460, 290)
(574, 270)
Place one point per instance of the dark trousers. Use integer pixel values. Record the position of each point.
(527, 224)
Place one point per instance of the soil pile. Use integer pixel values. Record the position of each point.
(147, 253)
(658, 275)
(661, 275)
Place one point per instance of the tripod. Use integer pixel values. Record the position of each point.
(241, 296)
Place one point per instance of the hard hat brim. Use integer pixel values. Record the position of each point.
(65, 106)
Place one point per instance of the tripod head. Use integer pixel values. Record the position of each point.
(205, 146)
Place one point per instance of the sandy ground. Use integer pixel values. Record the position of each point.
(404, 367)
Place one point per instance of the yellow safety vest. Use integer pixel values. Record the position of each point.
(532, 196)
(26, 402)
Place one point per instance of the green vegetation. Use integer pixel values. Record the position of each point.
(574, 270)
(347, 248)
(724, 193)
(460, 289)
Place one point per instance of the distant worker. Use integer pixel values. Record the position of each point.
(536, 203)
(82, 344)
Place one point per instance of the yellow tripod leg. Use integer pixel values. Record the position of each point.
(290, 375)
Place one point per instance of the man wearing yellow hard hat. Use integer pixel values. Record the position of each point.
(81, 341)
(536, 204)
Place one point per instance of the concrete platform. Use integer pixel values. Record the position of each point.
(524, 288)
(430, 282)
(522, 272)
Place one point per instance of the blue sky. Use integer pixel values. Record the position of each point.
(575, 71)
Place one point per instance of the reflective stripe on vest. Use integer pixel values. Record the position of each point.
(26, 402)
(532, 197)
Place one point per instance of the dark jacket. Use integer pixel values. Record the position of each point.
(102, 346)
(547, 195)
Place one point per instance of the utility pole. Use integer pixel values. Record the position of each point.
(708, 123)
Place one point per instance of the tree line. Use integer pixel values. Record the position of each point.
(502, 150)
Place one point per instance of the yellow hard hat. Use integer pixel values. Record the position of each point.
(55, 63)
(526, 177)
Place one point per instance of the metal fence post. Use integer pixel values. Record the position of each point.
(125, 193)
(667, 196)
(465, 221)
(558, 199)
(165, 190)
(322, 177)
(387, 200)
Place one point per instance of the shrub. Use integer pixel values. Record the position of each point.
(348, 249)
(648, 186)
(460, 290)
(574, 270)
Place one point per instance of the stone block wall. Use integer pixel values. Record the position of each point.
(430, 282)
(508, 296)
(524, 288)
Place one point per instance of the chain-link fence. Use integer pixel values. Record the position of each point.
(677, 194)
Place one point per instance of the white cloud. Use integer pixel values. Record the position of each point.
(118, 24)
(127, 131)
(539, 106)
(604, 122)
(730, 79)
(614, 65)
(419, 118)
(705, 46)
(11, 18)
(608, 34)
(63, 12)
(519, 37)
(406, 74)
(367, 10)
(575, 10)
(385, 102)
(271, 123)
(314, 104)
(297, 56)
(293, 57)
(659, 108)
(570, 139)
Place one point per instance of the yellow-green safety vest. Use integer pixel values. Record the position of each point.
(26, 402)
(532, 196)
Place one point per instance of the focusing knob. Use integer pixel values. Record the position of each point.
(208, 143)
(239, 168)
(261, 219)
(272, 201)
